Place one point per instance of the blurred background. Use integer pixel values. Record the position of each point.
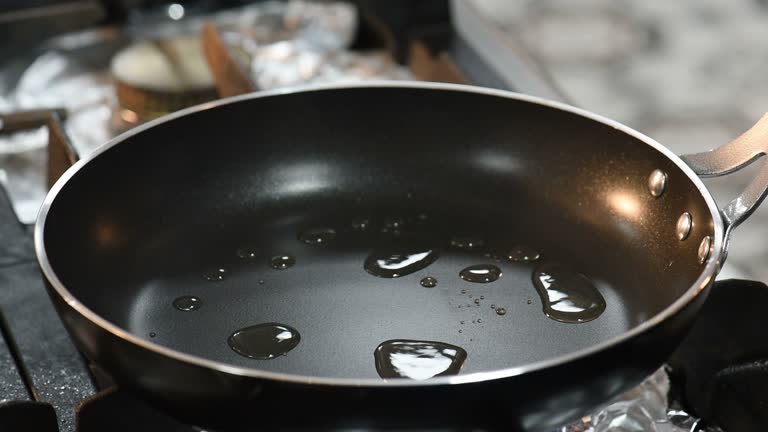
(690, 74)
(687, 73)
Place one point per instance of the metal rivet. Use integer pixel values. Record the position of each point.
(705, 248)
(657, 182)
(684, 224)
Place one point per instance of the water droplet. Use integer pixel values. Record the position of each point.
(264, 341)
(523, 254)
(461, 322)
(479, 320)
(361, 224)
(477, 301)
(392, 263)
(247, 252)
(482, 297)
(467, 241)
(215, 274)
(152, 334)
(567, 296)
(463, 291)
(501, 311)
(187, 303)
(459, 330)
(429, 282)
(481, 273)
(317, 236)
(282, 262)
(493, 306)
(530, 301)
(261, 281)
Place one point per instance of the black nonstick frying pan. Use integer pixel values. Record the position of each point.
(283, 252)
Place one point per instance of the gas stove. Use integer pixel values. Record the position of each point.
(717, 380)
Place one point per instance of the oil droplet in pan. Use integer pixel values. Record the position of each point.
(392, 264)
(264, 341)
(187, 303)
(567, 296)
(215, 274)
(418, 360)
(282, 262)
(428, 282)
(361, 224)
(467, 241)
(317, 236)
(523, 254)
(247, 253)
(481, 273)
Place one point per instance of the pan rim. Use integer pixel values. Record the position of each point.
(707, 275)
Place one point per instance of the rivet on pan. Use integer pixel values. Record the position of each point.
(657, 182)
(684, 224)
(705, 248)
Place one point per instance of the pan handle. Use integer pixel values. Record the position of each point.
(742, 151)
(61, 153)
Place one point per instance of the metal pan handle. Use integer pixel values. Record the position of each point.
(735, 155)
(61, 153)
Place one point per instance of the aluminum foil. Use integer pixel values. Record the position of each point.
(645, 408)
(288, 63)
(282, 43)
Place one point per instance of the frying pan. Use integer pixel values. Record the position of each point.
(232, 202)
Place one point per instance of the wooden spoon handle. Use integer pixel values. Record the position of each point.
(228, 75)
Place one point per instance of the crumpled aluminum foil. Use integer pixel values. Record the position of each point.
(283, 43)
(645, 408)
(288, 63)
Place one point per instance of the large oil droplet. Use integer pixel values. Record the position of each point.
(428, 282)
(392, 264)
(215, 274)
(501, 311)
(264, 341)
(418, 360)
(523, 254)
(567, 296)
(187, 303)
(467, 241)
(317, 236)
(282, 262)
(481, 273)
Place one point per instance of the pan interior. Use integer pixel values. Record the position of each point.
(227, 190)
